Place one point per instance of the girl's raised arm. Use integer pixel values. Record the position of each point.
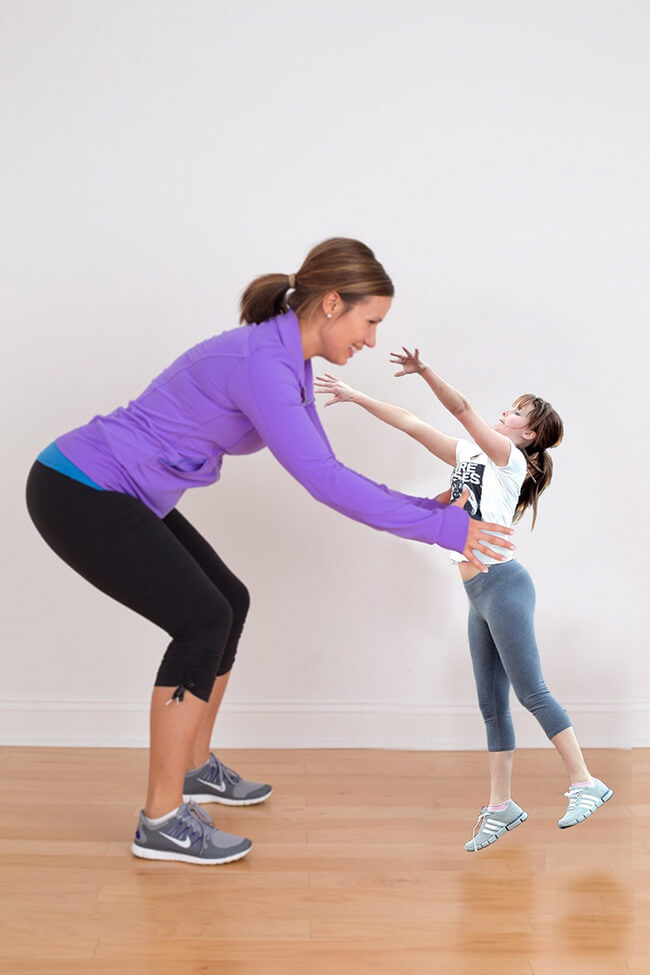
(438, 443)
(497, 446)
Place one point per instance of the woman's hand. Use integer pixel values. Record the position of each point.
(410, 362)
(478, 535)
(339, 391)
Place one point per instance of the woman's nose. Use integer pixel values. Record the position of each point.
(371, 337)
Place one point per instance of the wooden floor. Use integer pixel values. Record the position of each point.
(358, 867)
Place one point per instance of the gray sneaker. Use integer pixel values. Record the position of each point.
(491, 825)
(583, 801)
(214, 782)
(190, 836)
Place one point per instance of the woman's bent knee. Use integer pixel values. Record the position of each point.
(193, 658)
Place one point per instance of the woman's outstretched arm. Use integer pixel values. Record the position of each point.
(438, 443)
(495, 444)
(267, 389)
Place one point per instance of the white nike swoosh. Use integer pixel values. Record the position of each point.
(184, 843)
(213, 785)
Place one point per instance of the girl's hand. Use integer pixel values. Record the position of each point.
(478, 535)
(410, 362)
(445, 497)
(339, 391)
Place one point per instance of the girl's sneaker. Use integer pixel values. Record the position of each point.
(190, 836)
(491, 825)
(583, 801)
(215, 782)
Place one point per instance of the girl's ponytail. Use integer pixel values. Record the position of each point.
(549, 429)
(538, 478)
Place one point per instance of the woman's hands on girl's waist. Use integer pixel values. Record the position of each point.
(479, 536)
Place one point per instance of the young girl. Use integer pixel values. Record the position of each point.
(503, 470)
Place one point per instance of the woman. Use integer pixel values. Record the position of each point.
(103, 496)
(500, 473)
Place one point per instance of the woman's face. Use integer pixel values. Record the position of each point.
(513, 423)
(347, 332)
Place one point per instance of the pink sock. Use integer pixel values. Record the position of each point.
(498, 806)
(582, 785)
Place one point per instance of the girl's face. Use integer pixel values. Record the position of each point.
(348, 332)
(513, 423)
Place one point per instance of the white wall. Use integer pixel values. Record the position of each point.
(158, 156)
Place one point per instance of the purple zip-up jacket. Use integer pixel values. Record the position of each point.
(234, 394)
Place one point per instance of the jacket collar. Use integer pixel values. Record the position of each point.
(289, 332)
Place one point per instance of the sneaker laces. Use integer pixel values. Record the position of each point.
(573, 795)
(197, 823)
(218, 772)
(478, 824)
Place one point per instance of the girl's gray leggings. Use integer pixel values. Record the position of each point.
(504, 652)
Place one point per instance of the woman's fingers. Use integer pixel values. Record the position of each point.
(479, 539)
(475, 562)
(470, 544)
(479, 547)
(488, 526)
(469, 554)
(484, 544)
(478, 533)
(486, 547)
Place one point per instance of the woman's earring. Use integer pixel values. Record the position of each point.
(329, 314)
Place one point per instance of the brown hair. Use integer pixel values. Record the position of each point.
(339, 264)
(549, 429)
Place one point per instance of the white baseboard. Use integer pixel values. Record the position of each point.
(329, 724)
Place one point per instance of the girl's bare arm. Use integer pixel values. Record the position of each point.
(438, 443)
(495, 444)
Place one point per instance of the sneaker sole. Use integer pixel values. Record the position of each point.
(576, 822)
(210, 797)
(147, 853)
(495, 836)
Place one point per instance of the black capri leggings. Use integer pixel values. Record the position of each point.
(161, 568)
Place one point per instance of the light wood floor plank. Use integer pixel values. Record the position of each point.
(357, 867)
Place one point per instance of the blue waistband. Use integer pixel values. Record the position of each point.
(52, 457)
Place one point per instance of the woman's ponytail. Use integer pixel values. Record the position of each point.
(265, 297)
(339, 264)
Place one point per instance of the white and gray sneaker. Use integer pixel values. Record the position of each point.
(215, 782)
(188, 835)
(583, 801)
(491, 825)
